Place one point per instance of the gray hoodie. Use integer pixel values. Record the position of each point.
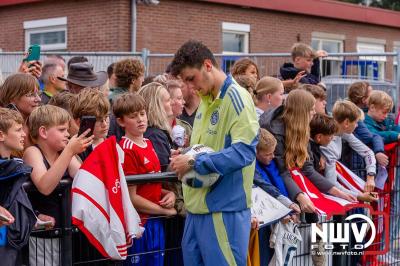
(273, 122)
(333, 153)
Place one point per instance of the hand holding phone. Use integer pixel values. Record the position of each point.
(87, 122)
(31, 64)
(78, 143)
(33, 53)
(43, 224)
(4, 218)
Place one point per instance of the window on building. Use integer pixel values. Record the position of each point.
(50, 34)
(235, 41)
(396, 48)
(371, 66)
(235, 38)
(331, 65)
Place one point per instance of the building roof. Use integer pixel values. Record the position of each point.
(321, 8)
(16, 2)
(324, 8)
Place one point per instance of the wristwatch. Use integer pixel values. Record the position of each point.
(191, 162)
(371, 174)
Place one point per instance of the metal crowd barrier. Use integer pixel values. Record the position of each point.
(74, 249)
(57, 240)
(68, 246)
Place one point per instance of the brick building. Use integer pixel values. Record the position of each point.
(226, 26)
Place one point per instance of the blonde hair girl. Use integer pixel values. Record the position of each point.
(268, 94)
(159, 115)
(159, 111)
(298, 111)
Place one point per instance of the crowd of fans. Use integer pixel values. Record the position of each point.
(152, 118)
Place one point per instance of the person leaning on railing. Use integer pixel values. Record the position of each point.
(150, 199)
(13, 198)
(52, 158)
(359, 93)
(290, 126)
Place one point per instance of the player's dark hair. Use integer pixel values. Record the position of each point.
(191, 54)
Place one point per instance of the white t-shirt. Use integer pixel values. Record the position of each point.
(259, 112)
(284, 239)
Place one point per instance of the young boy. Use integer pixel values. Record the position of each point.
(379, 106)
(13, 174)
(149, 199)
(64, 100)
(320, 97)
(266, 175)
(51, 159)
(359, 93)
(346, 115)
(92, 102)
(322, 130)
(12, 134)
(305, 66)
(129, 74)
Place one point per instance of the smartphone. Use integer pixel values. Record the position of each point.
(4, 218)
(42, 224)
(33, 53)
(87, 121)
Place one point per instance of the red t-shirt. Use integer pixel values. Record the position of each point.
(142, 160)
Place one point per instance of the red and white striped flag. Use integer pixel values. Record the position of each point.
(101, 207)
(325, 204)
(348, 179)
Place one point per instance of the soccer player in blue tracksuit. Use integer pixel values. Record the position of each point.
(218, 221)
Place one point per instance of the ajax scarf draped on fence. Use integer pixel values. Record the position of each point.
(101, 207)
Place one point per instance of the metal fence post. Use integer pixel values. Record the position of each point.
(66, 240)
(397, 78)
(145, 58)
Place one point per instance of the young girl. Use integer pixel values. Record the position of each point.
(290, 124)
(21, 93)
(159, 114)
(245, 66)
(181, 130)
(268, 94)
(320, 97)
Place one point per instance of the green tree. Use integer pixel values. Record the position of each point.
(386, 4)
(353, 1)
